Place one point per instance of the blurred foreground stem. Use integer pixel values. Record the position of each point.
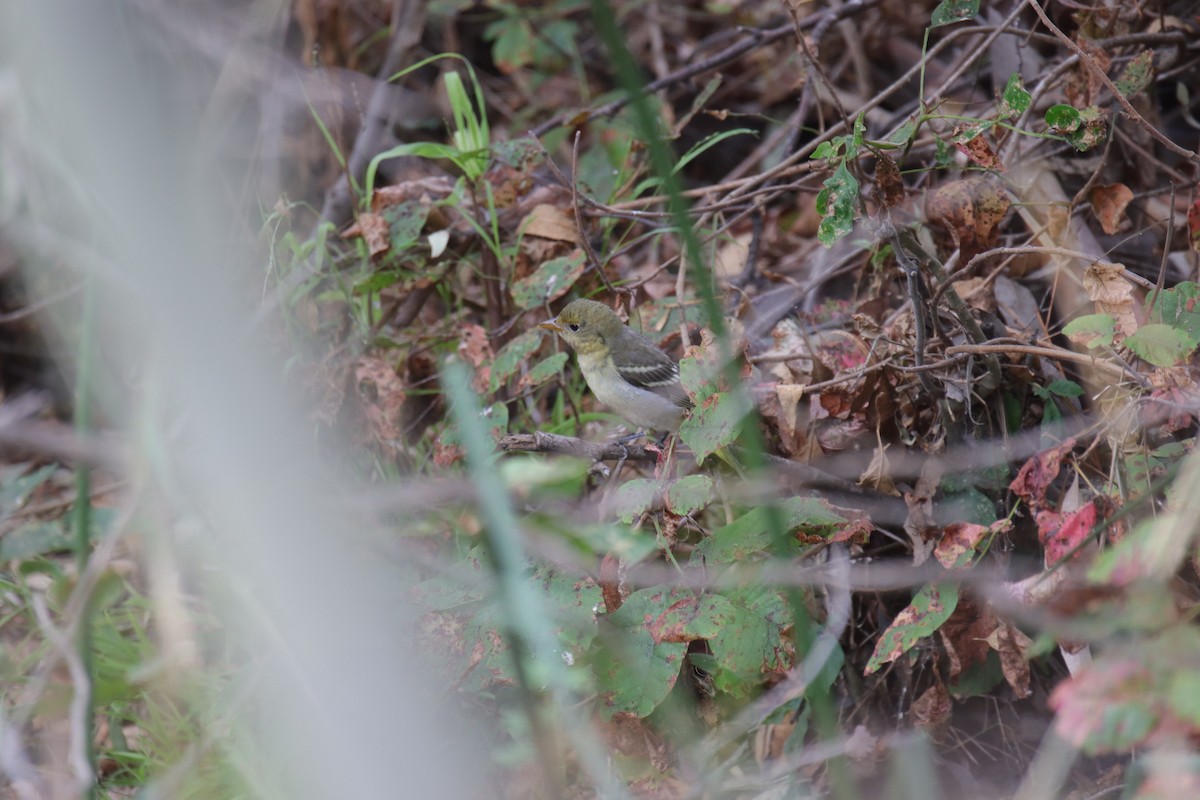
(82, 517)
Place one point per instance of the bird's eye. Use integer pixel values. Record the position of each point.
(574, 326)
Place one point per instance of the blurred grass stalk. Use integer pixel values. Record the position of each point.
(103, 173)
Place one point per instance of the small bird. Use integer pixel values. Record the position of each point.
(625, 370)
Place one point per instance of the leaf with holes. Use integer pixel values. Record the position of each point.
(1015, 100)
(1137, 75)
(836, 204)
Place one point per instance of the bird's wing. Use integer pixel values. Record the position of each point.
(657, 373)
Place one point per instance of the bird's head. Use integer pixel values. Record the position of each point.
(585, 324)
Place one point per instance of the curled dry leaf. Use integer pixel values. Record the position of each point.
(426, 190)
(1107, 286)
(971, 212)
(1083, 85)
(1038, 473)
(890, 186)
(919, 523)
(374, 230)
(877, 475)
(1193, 226)
(931, 711)
(1109, 202)
(959, 543)
(964, 633)
(476, 350)
(979, 151)
(1013, 647)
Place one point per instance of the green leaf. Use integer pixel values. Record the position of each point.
(751, 532)
(1065, 388)
(1137, 75)
(1094, 330)
(1015, 100)
(1179, 307)
(543, 371)
(511, 357)
(35, 539)
(1093, 129)
(840, 204)
(752, 643)
(930, 607)
(689, 494)
(16, 487)
(1161, 345)
(943, 155)
(1063, 118)
(692, 617)
(826, 149)
(627, 544)
(904, 132)
(572, 602)
(1051, 413)
(548, 282)
(858, 136)
(714, 423)
(634, 498)
(979, 678)
(949, 12)
(634, 672)
(512, 43)
(376, 282)
(709, 142)
(967, 505)
(1184, 694)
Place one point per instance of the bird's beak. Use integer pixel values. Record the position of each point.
(551, 325)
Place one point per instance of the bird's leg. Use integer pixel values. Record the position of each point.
(630, 437)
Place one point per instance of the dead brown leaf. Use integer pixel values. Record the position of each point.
(551, 222)
(1107, 286)
(381, 396)
(374, 230)
(1109, 203)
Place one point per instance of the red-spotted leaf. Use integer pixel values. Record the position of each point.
(752, 644)
(692, 618)
(634, 672)
(715, 423)
(1106, 708)
(1062, 534)
(930, 607)
(1038, 473)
